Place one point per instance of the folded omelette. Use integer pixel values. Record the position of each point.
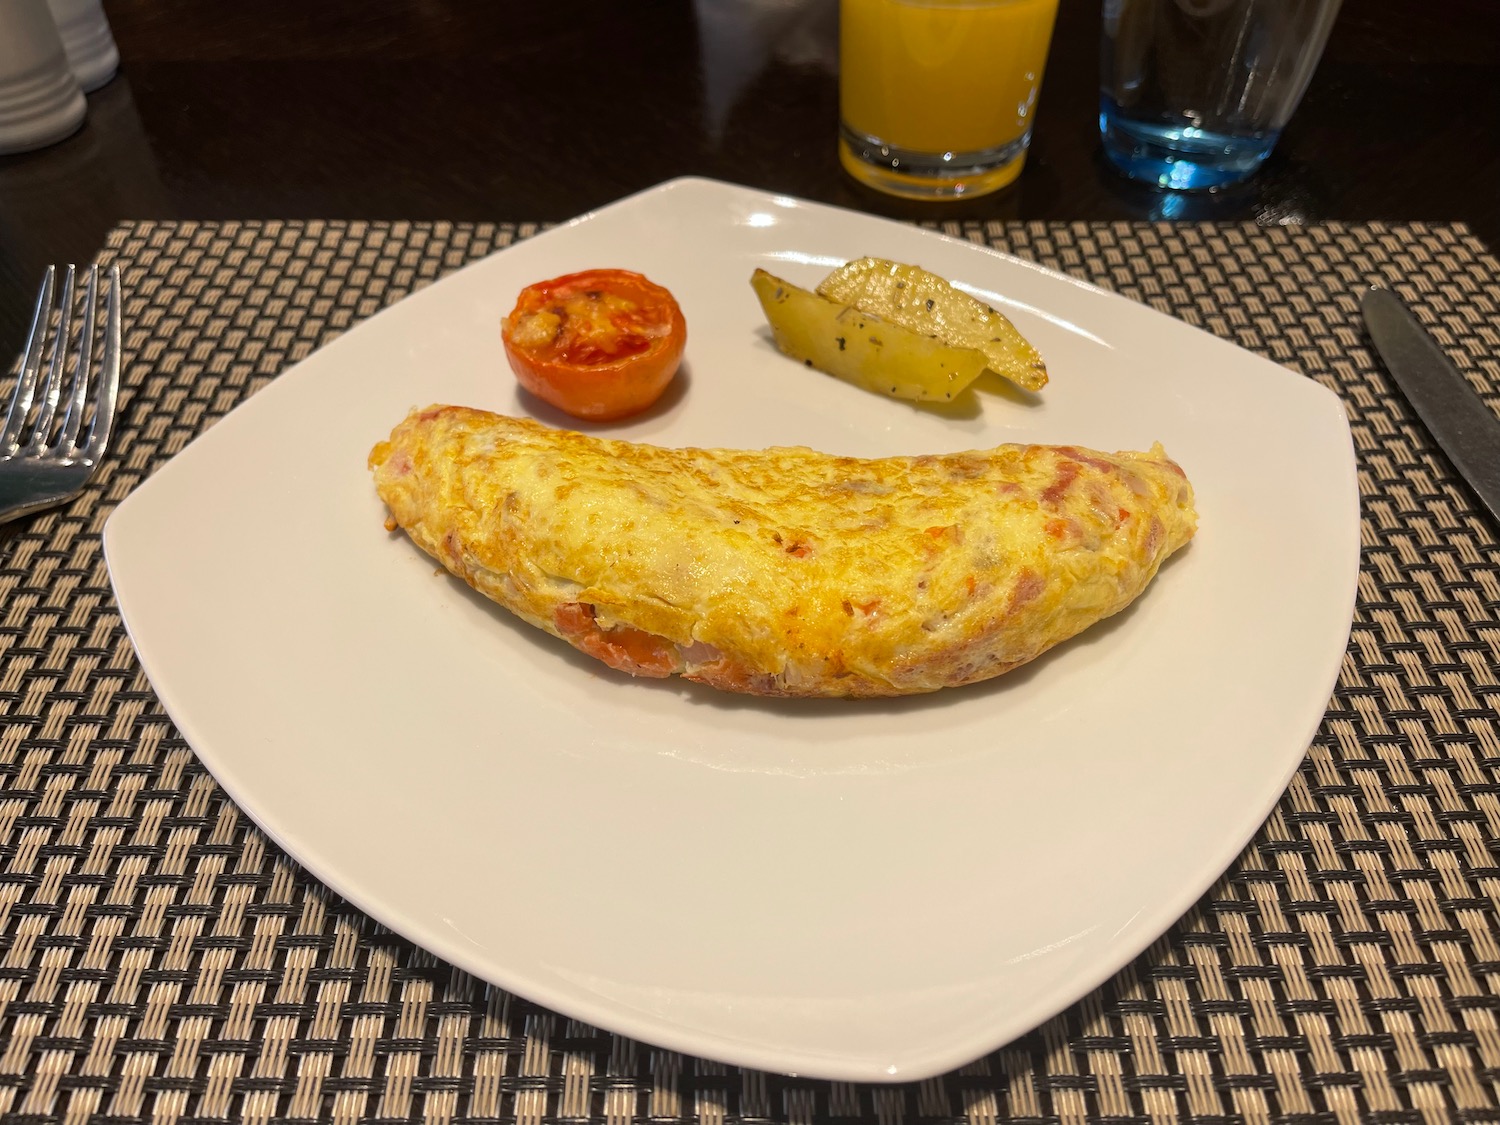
(785, 572)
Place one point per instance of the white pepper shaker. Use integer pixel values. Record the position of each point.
(86, 36)
(40, 100)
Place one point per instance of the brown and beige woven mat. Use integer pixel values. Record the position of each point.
(161, 960)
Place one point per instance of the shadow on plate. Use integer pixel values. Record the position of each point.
(1002, 388)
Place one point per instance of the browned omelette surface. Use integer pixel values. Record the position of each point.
(785, 571)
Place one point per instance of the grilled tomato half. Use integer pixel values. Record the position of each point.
(600, 345)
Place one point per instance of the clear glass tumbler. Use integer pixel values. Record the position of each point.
(936, 97)
(1195, 93)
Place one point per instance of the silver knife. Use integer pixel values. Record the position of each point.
(1464, 426)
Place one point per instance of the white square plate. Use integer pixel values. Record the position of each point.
(864, 891)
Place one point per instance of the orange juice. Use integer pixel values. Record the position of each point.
(937, 96)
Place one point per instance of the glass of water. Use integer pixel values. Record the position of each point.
(1195, 93)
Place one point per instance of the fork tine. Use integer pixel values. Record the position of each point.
(78, 390)
(107, 394)
(20, 399)
(52, 388)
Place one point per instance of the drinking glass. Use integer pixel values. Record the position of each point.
(1195, 93)
(936, 97)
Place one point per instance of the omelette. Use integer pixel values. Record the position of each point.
(784, 572)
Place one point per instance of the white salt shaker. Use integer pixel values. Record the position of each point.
(40, 100)
(86, 37)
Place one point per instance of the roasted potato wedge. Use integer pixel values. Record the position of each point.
(930, 306)
(861, 348)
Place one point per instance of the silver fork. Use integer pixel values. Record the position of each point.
(49, 463)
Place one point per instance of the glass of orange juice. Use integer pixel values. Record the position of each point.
(936, 97)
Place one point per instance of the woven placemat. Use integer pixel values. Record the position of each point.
(161, 960)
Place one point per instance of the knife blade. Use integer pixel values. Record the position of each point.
(1465, 428)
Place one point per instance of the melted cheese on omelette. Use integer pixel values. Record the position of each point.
(785, 571)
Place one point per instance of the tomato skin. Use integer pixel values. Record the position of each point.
(600, 345)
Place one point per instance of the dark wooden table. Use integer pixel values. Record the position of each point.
(459, 109)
